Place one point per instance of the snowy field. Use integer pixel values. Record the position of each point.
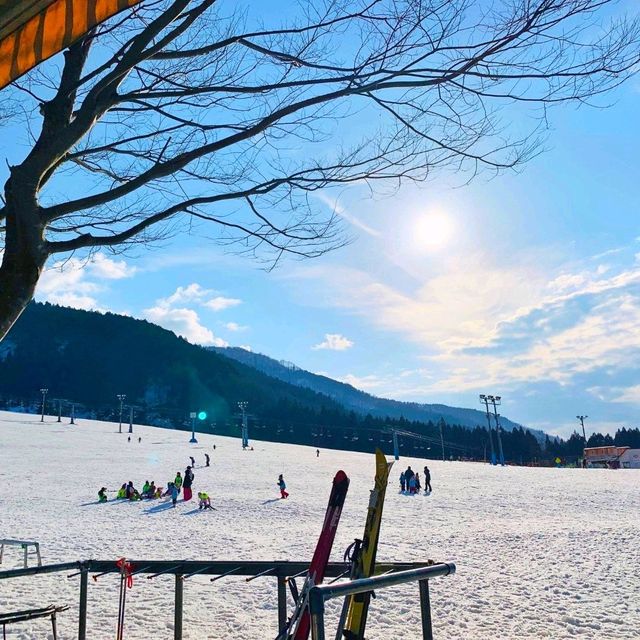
(541, 553)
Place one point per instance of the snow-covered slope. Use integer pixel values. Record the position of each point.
(541, 553)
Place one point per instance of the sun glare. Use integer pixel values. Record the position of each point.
(432, 231)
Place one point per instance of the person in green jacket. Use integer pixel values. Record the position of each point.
(178, 481)
(102, 495)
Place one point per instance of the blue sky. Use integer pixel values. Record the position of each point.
(525, 285)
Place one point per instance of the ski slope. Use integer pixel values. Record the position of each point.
(541, 553)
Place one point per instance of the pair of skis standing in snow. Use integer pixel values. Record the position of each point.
(361, 554)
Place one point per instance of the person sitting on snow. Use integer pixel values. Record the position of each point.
(145, 488)
(102, 495)
(122, 492)
(205, 501)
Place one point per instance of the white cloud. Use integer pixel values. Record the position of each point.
(334, 342)
(191, 293)
(76, 283)
(339, 209)
(478, 324)
(364, 383)
(102, 267)
(184, 322)
(220, 303)
(234, 326)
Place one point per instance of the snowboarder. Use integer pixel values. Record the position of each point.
(178, 481)
(206, 459)
(427, 480)
(102, 495)
(186, 484)
(193, 461)
(283, 487)
(402, 482)
(204, 501)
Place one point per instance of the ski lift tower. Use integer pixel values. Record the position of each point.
(485, 400)
(245, 426)
(495, 400)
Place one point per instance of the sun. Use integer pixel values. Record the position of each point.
(432, 231)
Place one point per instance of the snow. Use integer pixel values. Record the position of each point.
(541, 553)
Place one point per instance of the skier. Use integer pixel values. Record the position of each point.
(186, 484)
(214, 447)
(193, 461)
(178, 481)
(206, 459)
(102, 495)
(402, 482)
(205, 501)
(317, 453)
(139, 439)
(427, 480)
(283, 487)
(128, 438)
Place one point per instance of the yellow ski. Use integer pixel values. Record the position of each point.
(364, 563)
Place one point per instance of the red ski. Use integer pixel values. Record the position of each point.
(299, 625)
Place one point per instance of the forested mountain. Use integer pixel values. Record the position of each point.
(359, 401)
(88, 358)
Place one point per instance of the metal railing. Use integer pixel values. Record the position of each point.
(321, 593)
(182, 570)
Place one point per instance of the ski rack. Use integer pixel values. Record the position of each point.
(184, 569)
(319, 594)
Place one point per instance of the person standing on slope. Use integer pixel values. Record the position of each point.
(408, 475)
(178, 481)
(283, 487)
(186, 484)
(427, 480)
(402, 482)
(206, 459)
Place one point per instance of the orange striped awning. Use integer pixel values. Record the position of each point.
(33, 30)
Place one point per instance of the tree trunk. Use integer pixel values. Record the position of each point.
(25, 251)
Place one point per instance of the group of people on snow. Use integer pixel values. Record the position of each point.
(410, 481)
(181, 483)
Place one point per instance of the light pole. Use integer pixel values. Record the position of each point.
(44, 398)
(484, 400)
(73, 413)
(245, 427)
(59, 410)
(584, 435)
(122, 397)
(193, 415)
(130, 418)
(495, 400)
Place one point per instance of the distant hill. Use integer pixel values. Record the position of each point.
(88, 358)
(359, 401)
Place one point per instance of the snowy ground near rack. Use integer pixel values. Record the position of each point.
(541, 553)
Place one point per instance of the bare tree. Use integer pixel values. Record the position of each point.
(178, 113)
